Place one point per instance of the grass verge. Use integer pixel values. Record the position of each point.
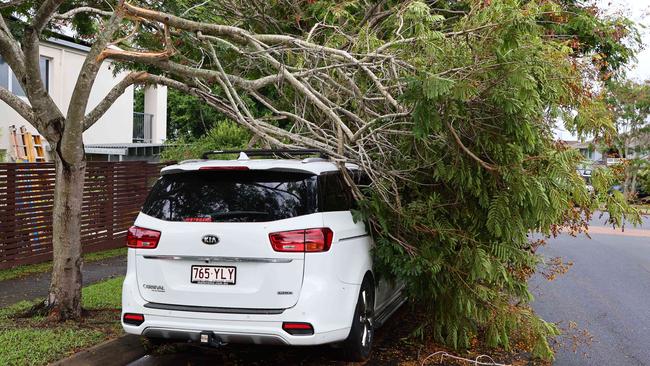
(37, 341)
(20, 271)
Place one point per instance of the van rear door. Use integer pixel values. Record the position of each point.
(214, 248)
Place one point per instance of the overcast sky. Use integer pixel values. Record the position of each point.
(639, 11)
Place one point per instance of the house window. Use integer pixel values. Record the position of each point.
(4, 74)
(9, 81)
(45, 72)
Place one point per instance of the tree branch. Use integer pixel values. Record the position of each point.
(468, 151)
(236, 33)
(137, 56)
(10, 49)
(45, 12)
(79, 101)
(17, 104)
(110, 98)
(83, 9)
(47, 116)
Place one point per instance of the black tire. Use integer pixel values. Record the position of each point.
(358, 345)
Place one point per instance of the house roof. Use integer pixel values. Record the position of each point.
(577, 144)
(642, 139)
(126, 149)
(77, 45)
(60, 38)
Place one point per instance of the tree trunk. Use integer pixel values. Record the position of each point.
(626, 182)
(64, 300)
(635, 173)
(626, 171)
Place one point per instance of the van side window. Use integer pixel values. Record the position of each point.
(361, 179)
(335, 194)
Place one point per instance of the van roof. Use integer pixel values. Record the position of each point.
(310, 165)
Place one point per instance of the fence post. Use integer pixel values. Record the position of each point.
(8, 219)
(110, 204)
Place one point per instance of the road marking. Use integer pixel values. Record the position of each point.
(604, 230)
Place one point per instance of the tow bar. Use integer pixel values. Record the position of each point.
(208, 338)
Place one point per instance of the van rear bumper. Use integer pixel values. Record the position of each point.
(250, 333)
(327, 305)
(178, 326)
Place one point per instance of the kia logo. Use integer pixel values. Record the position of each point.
(210, 239)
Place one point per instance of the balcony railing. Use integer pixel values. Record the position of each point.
(142, 127)
(614, 161)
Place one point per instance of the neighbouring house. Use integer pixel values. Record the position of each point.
(121, 134)
(599, 155)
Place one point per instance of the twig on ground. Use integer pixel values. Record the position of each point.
(476, 361)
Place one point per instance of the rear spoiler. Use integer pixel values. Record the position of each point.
(283, 153)
(233, 169)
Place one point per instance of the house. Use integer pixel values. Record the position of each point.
(121, 134)
(597, 154)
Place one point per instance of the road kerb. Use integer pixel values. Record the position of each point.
(114, 352)
(603, 230)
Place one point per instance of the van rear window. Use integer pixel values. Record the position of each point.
(232, 196)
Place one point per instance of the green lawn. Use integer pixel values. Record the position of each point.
(20, 271)
(36, 341)
(103, 295)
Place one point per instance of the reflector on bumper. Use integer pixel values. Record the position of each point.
(298, 328)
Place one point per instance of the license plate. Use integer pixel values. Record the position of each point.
(213, 275)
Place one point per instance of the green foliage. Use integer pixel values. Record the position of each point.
(644, 180)
(463, 220)
(190, 118)
(629, 102)
(15, 309)
(224, 135)
(611, 41)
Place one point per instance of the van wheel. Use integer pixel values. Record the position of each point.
(359, 342)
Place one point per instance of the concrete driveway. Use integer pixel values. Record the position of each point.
(606, 292)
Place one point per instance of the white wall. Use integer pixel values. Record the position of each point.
(116, 126)
(155, 103)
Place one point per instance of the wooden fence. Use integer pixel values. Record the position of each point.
(113, 196)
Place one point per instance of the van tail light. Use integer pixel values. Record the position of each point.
(133, 319)
(142, 238)
(298, 328)
(309, 240)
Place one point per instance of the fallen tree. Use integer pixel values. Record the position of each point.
(450, 111)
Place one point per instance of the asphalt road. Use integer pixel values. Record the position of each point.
(606, 292)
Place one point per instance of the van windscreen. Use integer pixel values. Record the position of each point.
(232, 196)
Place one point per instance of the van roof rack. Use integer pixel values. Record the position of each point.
(268, 152)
